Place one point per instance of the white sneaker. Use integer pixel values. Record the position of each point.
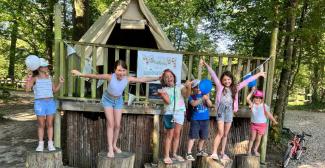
(40, 146)
(50, 146)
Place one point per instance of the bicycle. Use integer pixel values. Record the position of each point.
(296, 146)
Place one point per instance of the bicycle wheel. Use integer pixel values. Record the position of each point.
(287, 156)
(300, 151)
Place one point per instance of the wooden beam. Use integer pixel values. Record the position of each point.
(190, 66)
(57, 39)
(270, 74)
(155, 138)
(185, 53)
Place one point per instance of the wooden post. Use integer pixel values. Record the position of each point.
(121, 160)
(270, 74)
(62, 67)
(44, 159)
(220, 64)
(70, 78)
(82, 65)
(229, 64)
(244, 160)
(248, 67)
(57, 40)
(155, 138)
(94, 64)
(190, 65)
(127, 60)
(105, 70)
(199, 69)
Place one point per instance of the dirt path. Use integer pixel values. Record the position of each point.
(312, 123)
(18, 131)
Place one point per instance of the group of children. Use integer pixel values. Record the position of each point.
(173, 96)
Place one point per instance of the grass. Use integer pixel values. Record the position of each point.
(317, 107)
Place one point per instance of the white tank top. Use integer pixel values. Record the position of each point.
(116, 87)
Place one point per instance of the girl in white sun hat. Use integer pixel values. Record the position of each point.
(44, 105)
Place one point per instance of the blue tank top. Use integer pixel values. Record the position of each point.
(115, 86)
(43, 88)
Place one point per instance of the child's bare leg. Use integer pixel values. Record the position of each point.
(218, 137)
(117, 126)
(177, 132)
(49, 125)
(200, 144)
(109, 130)
(251, 141)
(257, 144)
(167, 144)
(225, 137)
(41, 127)
(190, 145)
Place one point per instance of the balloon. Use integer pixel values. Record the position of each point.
(32, 62)
(205, 86)
(250, 84)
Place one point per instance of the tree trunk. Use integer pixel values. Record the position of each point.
(207, 162)
(49, 32)
(44, 159)
(12, 54)
(283, 92)
(121, 160)
(176, 164)
(81, 18)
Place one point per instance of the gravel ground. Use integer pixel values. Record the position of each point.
(312, 123)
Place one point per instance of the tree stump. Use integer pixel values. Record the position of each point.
(44, 159)
(208, 162)
(121, 160)
(244, 160)
(176, 164)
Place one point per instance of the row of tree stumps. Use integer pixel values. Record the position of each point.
(126, 160)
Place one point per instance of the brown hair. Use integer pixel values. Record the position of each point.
(162, 81)
(233, 85)
(121, 63)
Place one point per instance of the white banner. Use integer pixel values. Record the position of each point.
(152, 64)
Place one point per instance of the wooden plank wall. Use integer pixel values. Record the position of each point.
(85, 136)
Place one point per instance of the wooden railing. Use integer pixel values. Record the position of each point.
(80, 89)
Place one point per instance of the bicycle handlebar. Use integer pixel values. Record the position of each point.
(290, 131)
(307, 134)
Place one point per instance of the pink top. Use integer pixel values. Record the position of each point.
(220, 87)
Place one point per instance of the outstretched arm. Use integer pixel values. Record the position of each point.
(212, 73)
(92, 76)
(246, 81)
(142, 79)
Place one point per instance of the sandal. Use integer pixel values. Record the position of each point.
(224, 156)
(117, 150)
(168, 161)
(256, 153)
(178, 158)
(214, 156)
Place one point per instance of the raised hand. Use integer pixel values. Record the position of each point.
(202, 62)
(188, 84)
(61, 79)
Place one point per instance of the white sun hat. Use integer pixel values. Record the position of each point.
(43, 62)
(32, 62)
(195, 83)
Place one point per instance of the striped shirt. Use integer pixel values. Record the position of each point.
(43, 88)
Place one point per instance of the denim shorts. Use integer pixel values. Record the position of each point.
(225, 115)
(45, 107)
(199, 129)
(112, 102)
(178, 118)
